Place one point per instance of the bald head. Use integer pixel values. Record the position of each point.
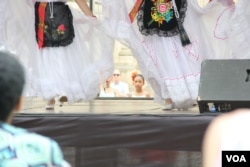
(116, 71)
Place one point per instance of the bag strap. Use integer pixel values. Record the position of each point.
(183, 34)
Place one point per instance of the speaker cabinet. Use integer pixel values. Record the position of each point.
(224, 85)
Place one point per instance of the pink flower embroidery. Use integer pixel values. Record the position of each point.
(162, 8)
(61, 27)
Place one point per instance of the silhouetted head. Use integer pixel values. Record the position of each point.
(12, 80)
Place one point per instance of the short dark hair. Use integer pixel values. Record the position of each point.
(12, 80)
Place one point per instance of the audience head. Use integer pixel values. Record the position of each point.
(12, 80)
(108, 80)
(116, 75)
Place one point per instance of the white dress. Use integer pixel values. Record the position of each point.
(6, 20)
(216, 23)
(3, 14)
(228, 28)
(239, 30)
(172, 70)
(75, 70)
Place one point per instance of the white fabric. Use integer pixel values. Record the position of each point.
(120, 87)
(105, 94)
(52, 0)
(239, 30)
(75, 70)
(172, 70)
(6, 21)
(216, 21)
(228, 29)
(3, 13)
(30, 1)
(133, 95)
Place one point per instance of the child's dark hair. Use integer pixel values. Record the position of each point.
(12, 80)
(135, 74)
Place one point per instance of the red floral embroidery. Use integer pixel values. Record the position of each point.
(61, 27)
(162, 8)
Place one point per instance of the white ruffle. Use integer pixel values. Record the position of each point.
(75, 70)
(239, 31)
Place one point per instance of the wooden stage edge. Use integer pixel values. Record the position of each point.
(104, 106)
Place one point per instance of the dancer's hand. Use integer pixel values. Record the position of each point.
(84, 7)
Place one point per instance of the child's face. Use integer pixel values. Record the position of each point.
(138, 81)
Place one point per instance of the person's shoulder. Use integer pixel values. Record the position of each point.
(17, 132)
(48, 146)
(4, 127)
(40, 139)
(18, 142)
(24, 137)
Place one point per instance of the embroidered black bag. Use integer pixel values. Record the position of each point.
(53, 24)
(163, 17)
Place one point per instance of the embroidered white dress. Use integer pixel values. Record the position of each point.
(172, 70)
(216, 24)
(75, 70)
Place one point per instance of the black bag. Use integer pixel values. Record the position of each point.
(57, 30)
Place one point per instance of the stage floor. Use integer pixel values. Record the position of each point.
(103, 106)
(107, 132)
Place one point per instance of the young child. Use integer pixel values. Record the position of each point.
(18, 147)
(138, 82)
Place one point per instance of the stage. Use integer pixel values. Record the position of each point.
(120, 133)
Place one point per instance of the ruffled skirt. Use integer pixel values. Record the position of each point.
(75, 70)
(239, 31)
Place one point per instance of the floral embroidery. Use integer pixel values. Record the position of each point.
(61, 29)
(55, 32)
(161, 11)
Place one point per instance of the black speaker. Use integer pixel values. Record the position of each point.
(224, 85)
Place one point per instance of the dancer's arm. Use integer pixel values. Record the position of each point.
(84, 7)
